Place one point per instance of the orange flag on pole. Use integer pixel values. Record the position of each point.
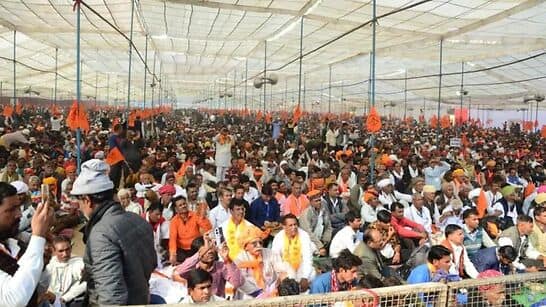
(445, 122)
(259, 116)
(434, 121)
(373, 122)
(297, 114)
(482, 204)
(268, 117)
(8, 111)
(77, 118)
(114, 156)
(543, 131)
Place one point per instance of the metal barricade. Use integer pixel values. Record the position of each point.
(429, 294)
(505, 291)
(528, 290)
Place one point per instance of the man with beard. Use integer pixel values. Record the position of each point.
(18, 279)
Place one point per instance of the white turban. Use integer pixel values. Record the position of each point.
(474, 193)
(383, 183)
(20, 186)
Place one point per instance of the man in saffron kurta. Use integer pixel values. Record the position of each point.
(184, 228)
(296, 202)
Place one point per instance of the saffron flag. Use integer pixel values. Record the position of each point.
(434, 121)
(268, 118)
(297, 114)
(543, 131)
(8, 111)
(445, 122)
(77, 117)
(114, 156)
(482, 204)
(373, 122)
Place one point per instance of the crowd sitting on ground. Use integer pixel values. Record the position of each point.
(224, 206)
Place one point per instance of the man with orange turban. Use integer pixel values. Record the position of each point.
(256, 265)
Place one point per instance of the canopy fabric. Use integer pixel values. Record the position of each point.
(200, 49)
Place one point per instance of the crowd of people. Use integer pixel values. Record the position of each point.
(224, 205)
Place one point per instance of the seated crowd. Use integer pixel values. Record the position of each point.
(233, 211)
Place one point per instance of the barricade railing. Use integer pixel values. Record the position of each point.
(505, 291)
(527, 290)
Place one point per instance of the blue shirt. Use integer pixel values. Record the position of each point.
(321, 283)
(420, 274)
(260, 211)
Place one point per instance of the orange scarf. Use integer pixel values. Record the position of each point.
(297, 205)
(257, 267)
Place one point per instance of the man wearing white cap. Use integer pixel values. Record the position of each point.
(119, 256)
(387, 194)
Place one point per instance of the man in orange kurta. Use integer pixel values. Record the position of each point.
(296, 202)
(184, 228)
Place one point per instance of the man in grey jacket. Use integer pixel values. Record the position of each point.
(119, 255)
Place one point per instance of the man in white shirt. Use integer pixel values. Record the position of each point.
(460, 262)
(124, 198)
(388, 195)
(435, 171)
(66, 272)
(370, 206)
(418, 213)
(18, 279)
(251, 193)
(347, 237)
(219, 214)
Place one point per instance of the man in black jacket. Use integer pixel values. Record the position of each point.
(119, 255)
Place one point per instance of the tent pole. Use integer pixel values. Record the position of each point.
(329, 89)
(56, 74)
(96, 86)
(130, 59)
(234, 85)
(304, 90)
(78, 84)
(439, 91)
(14, 67)
(300, 61)
(108, 89)
(372, 90)
(145, 71)
(265, 72)
(462, 97)
(246, 82)
(536, 117)
(405, 95)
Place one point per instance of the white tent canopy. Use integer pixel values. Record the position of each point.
(200, 48)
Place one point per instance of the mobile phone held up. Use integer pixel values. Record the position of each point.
(219, 236)
(44, 193)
